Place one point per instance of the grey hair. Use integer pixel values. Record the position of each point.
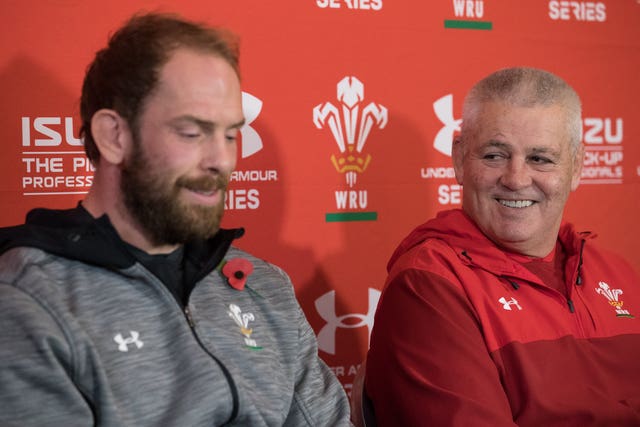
(524, 87)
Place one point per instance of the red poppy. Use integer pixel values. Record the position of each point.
(236, 271)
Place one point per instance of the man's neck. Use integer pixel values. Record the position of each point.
(125, 224)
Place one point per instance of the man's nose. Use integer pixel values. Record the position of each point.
(219, 154)
(516, 175)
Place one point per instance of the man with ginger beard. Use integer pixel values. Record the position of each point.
(134, 308)
(501, 313)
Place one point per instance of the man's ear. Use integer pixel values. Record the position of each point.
(457, 157)
(578, 162)
(111, 135)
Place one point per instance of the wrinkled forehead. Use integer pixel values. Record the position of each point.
(531, 127)
(496, 115)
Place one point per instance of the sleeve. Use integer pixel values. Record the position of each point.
(428, 363)
(319, 399)
(36, 375)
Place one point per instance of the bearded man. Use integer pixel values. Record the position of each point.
(134, 309)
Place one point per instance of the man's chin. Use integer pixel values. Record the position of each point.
(189, 225)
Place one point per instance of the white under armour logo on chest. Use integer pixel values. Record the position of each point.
(124, 343)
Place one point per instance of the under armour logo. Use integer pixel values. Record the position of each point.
(123, 343)
(507, 304)
(251, 141)
(326, 306)
(443, 108)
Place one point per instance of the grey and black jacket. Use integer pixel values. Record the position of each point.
(89, 337)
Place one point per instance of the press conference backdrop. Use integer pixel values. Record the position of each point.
(351, 107)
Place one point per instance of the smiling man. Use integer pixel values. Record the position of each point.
(501, 314)
(134, 308)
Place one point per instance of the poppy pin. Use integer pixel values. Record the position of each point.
(237, 270)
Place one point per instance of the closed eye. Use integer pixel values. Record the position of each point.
(190, 135)
(232, 136)
(188, 131)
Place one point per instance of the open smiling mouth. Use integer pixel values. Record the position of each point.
(516, 203)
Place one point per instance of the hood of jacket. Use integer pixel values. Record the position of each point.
(75, 234)
(459, 232)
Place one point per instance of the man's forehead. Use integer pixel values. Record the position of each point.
(541, 146)
(194, 77)
(184, 66)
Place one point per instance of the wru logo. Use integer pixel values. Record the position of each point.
(613, 296)
(326, 306)
(350, 132)
(242, 320)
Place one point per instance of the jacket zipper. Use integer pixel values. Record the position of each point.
(577, 289)
(187, 314)
(227, 375)
(578, 280)
(572, 309)
(189, 318)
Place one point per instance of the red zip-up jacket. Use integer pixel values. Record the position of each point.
(466, 336)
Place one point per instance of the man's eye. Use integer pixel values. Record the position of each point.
(189, 134)
(540, 160)
(232, 136)
(493, 156)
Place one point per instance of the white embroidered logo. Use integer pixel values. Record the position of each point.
(613, 295)
(123, 343)
(506, 304)
(242, 319)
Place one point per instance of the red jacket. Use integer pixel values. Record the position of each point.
(465, 336)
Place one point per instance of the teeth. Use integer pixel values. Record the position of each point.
(516, 203)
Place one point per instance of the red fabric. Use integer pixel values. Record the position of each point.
(446, 351)
(549, 269)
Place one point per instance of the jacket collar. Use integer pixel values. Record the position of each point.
(75, 234)
(459, 232)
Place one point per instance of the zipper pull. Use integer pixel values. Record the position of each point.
(571, 307)
(187, 313)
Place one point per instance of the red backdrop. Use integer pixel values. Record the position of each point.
(352, 106)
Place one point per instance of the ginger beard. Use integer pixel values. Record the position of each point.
(152, 197)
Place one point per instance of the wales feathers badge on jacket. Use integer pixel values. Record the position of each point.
(242, 320)
(613, 295)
